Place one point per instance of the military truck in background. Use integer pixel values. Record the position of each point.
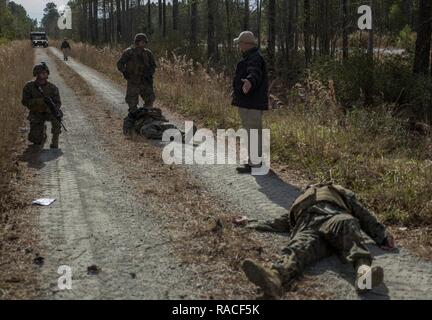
(39, 39)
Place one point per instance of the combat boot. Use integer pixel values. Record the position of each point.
(55, 141)
(267, 279)
(364, 270)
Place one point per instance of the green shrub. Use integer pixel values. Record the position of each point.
(389, 76)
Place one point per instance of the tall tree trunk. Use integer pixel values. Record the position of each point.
(175, 14)
(324, 43)
(246, 15)
(105, 26)
(422, 60)
(112, 35)
(288, 9)
(123, 21)
(119, 21)
(370, 48)
(84, 32)
(160, 15)
(307, 32)
(369, 85)
(345, 31)
(90, 22)
(211, 39)
(271, 47)
(131, 18)
(149, 17)
(194, 24)
(164, 30)
(259, 12)
(95, 21)
(128, 31)
(228, 24)
(295, 25)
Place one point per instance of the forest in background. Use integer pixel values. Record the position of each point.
(14, 21)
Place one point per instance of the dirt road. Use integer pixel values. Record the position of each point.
(96, 220)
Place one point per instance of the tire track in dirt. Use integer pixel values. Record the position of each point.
(265, 197)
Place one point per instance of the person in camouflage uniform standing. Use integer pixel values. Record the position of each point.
(137, 64)
(326, 219)
(39, 113)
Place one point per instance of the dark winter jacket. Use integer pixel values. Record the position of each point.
(65, 45)
(253, 68)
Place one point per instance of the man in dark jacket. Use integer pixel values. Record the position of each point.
(250, 93)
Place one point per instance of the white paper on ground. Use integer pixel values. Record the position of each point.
(44, 201)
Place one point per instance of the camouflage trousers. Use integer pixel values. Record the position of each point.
(324, 229)
(65, 54)
(37, 134)
(135, 90)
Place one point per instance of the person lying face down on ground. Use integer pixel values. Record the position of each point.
(324, 220)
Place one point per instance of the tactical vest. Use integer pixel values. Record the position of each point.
(328, 193)
(138, 64)
(37, 101)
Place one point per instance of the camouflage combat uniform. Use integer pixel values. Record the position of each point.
(326, 219)
(148, 122)
(39, 111)
(138, 67)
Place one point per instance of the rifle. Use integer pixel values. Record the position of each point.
(55, 111)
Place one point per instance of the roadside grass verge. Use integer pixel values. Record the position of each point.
(369, 151)
(18, 243)
(16, 62)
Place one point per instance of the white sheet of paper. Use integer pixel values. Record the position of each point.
(44, 201)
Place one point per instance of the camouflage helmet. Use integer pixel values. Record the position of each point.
(141, 37)
(40, 68)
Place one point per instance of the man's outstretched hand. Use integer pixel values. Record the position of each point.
(389, 243)
(247, 86)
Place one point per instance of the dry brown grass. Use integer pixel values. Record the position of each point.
(18, 243)
(16, 60)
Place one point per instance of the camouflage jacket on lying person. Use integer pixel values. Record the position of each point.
(148, 122)
(344, 199)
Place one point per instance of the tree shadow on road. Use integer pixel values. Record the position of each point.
(36, 157)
